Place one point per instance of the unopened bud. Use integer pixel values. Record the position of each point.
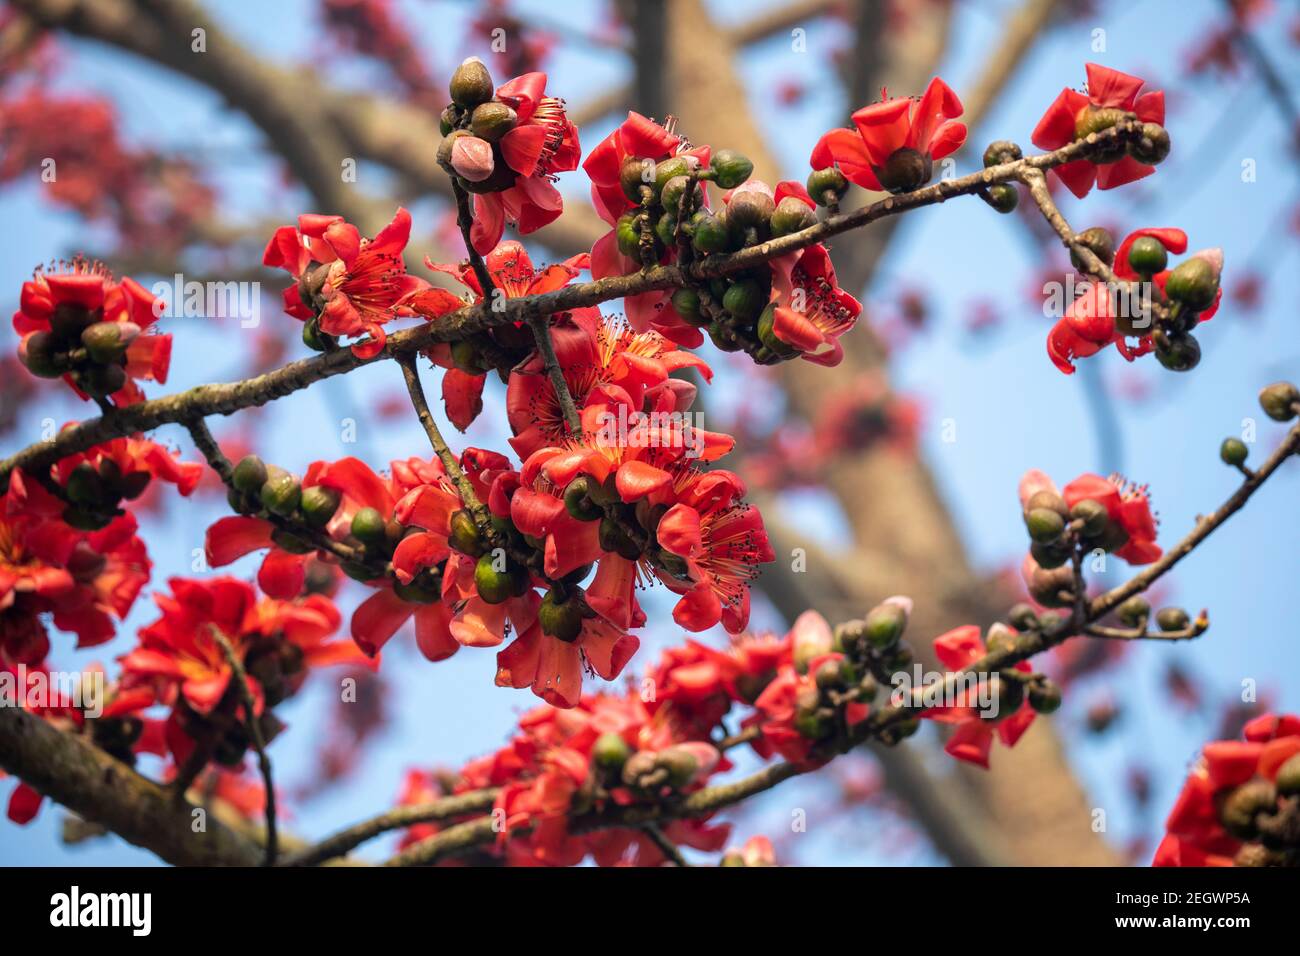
(471, 84)
(1279, 401)
(471, 157)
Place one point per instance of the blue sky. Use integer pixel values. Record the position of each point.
(1011, 408)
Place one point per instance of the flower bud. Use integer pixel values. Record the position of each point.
(471, 84)
(812, 639)
(1147, 256)
(495, 586)
(1243, 804)
(670, 197)
(1051, 554)
(1172, 619)
(905, 169)
(1134, 611)
(730, 169)
(686, 303)
(1001, 151)
(319, 504)
(471, 158)
(1279, 401)
(249, 475)
(1002, 197)
(368, 526)
(749, 208)
(1048, 499)
(1177, 351)
(1051, 587)
(314, 338)
(38, 352)
(610, 752)
(1195, 280)
(102, 380)
(766, 330)
(491, 121)
(827, 185)
(1044, 524)
(107, 341)
(635, 172)
(669, 169)
(999, 639)
(577, 502)
(745, 299)
(1233, 451)
(419, 591)
(1097, 240)
(1093, 514)
(560, 616)
(1006, 695)
(1044, 696)
(884, 625)
(711, 233)
(1152, 146)
(792, 215)
(86, 487)
(281, 493)
(1288, 776)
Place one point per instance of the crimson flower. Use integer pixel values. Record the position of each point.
(1127, 504)
(895, 141)
(351, 284)
(1073, 115)
(812, 311)
(973, 733)
(542, 143)
(1230, 793)
(61, 303)
(515, 276)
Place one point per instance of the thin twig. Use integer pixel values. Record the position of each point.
(240, 676)
(465, 219)
(665, 846)
(541, 326)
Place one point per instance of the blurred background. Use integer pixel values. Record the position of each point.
(896, 472)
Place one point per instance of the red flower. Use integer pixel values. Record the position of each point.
(638, 138)
(812, 311)
(83, 580)
(514, 275)
(179, 659)
(542, 143)
(1128, 507)
(58, 305)
(354, 285)
(972, 737)
(1093, 321)
(1215, 819)
(928, 126)
(1073, 115)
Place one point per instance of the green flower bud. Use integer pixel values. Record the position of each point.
(812, 724)
(884, 625)
(1097, 240)
(627, 234)
(1153, 145)
(1147, 256)
(905, 169)
(610, 752)
(1046, 499)
(1044, 525)
(1044, 696)
(1172, 619)
(827, 185)
(319, 504)
(1178, 351)
(792, 215)
(670, 197)
(107, 341)
(1001, 151)
(1279, 400)
(103, 380)
(686, 303)
(635, 173)
(249, 475)
(281, 494)
(732, 858)
(1233, 451)
(766, 330)
(1134, 611)
(1194, 282)
(613, 537)
(560, 616)
(1051, 587)
(369, 526)
(578, 503)
(1051, 554)
(471, 84)
(417, 592)
(1093, 514)
(1288, 777)
(495, 586)
(86, 487)
(748, 209)
(711, 234)
(999, 639)
(465, 536)
(1003, 197)
(831, 675)
(40, 353)
(666, 229)
(491, 121)
(1006, 694)
(745, 299)
(730, 169)
(1240, 808)
(314, 338)
(669, 169)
